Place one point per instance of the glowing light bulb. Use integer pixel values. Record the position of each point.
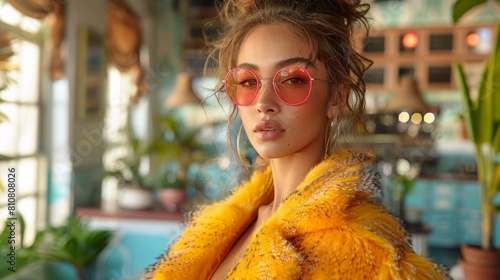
(416, 118)
(410, 40)
(404, 117)
(429, 117)
(472, 39)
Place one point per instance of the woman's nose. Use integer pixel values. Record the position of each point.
(267, 101)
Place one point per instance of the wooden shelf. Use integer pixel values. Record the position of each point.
(130, 214)
(430, 62)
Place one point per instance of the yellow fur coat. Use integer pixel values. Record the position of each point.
(329, 228)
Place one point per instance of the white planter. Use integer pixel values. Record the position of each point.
(135, 198)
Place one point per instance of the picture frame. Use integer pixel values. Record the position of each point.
(91, 73)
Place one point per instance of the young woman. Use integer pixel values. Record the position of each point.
(292, 72)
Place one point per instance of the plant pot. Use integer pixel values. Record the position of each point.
(136, 198)
(480, 264)
(171, 198)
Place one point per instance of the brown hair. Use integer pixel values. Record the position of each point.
(329, 27)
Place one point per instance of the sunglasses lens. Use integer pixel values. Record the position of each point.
(241, 86)
(293, 85)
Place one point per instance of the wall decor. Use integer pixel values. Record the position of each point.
(91, 74)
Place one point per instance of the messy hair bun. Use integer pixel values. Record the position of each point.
(332, 17)
(328, 25)
(348, 10)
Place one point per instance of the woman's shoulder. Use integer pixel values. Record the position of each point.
(358, 236)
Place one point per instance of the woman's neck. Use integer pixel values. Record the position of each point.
(288, 173)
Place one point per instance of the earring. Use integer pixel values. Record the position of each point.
(238, 148)
(242, 159)
(328, 139)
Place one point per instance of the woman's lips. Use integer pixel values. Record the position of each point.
(268, 130)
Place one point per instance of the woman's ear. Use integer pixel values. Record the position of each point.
(332, 109)
(337, 102)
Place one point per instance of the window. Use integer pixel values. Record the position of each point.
(441, 42)
(439, 74)
(20, 48)
(406, 70)
(375, 75)
(375, 44)
(426, 53)
(115, 129)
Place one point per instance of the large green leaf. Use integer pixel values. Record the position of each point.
(484, 108)
(489, 96)
(73, 242)
(495, 88)
(461, 7)
(494, 78)
(496, 138)
(469, 108)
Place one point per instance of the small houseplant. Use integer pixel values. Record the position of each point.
(180, 148)
(72, 242)
(22, 256)
(172, 187)
(135, 191)
(482, 118)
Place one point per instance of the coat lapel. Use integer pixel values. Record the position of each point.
(213, 231)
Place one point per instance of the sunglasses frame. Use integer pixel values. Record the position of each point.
(275, 86)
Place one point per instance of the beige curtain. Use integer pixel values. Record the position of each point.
(54, 10)
(38, 9)
(123, 36)
(124, 42)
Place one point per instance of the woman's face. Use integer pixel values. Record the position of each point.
(275, 129)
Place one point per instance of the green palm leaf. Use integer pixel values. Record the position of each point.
(468, 104)
(461, 7)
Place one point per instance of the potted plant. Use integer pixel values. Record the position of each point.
(135, 193)
(180, 148)
(17, 254)
(172, 187)
(404, 183)
(483, 128)
(73, 243)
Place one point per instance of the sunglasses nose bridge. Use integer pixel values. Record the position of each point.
(264, 79)
(261, 83)
(262, 91)
(272, 81)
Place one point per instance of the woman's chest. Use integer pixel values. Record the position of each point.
(235, 253)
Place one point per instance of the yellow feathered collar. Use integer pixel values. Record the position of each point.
(327, 219)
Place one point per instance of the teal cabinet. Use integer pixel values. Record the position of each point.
(418, 199)
(130, 254)
(470, 214)
(136, 244)
(452, 209)
(443, 213)
(444, 227)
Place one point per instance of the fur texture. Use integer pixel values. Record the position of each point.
(328, 228)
